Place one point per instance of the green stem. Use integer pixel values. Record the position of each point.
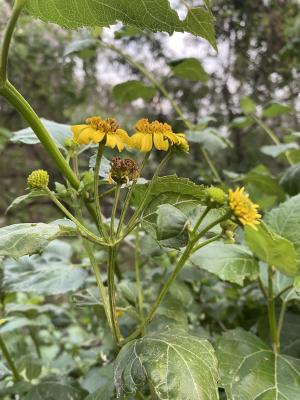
(271, 311)
(283, 291)
(200, 220)
(281, 319)
(206, 242)
(100, 284)
(162, 89)
(138, 278)
(82, 229)
(101, 225)
(271, 135)
(112, 293)
(139, 210)
(9, 360)
(179, 265)
(16, 11)
(35, 341)
(128, 196)
(114, 211)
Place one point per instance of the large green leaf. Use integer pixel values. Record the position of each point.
(56, 388)
(189, 68)
(178, 365)
(21, 239)
(290, 180)
(59, 133)
(155, 15)
(48, 274)
(251, 371)
(272, 248)
(230, 262)
(209, 139)
(99, 383)
(285, 221)
(132, 90)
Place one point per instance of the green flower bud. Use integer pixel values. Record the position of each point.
(216, 196)
(38, 179)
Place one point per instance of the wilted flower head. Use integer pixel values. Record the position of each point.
(157, 134)
(243, 208)
(123, 171)
(38, 179)
(97, 130)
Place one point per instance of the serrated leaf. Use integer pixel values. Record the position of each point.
(250, 370)
(54, 387)
(247, 105)
(48, 274)
(272, 248)
(132, 90)
(178, 365)
(59, 132)
(290, 180)
(230, 262)
(156, 15)
(189, 68)
(278, 149)
(22, 239)
(276, 109)
(285, 221)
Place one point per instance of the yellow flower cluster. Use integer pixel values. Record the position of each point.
(243, 208)
(147, 134)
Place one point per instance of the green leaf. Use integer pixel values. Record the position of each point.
(251, 371)
(178, 365)
(156, 15)
(241, 122)
(290, 180)
(209, 139)
(84, 47)
(230, 262)
(289, 337)
(54, 387)
(31, 364)
(276, 109)
(99, 382)
(278, 149)
(59, 133)
(297, 284)
(189, 68)
(285, 221)
(31, 195)
(15, 323)
(48, 274)
(132, 90)
(21, 239)
(247, 105)
(128, 31)
(171, 222)
(272, 248)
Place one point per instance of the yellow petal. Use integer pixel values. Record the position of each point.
(85, 135)
(97, 136)
(159, 142)
(123, 135)
(136, 140)
(147, 143)
(172, 136)
(77, 129)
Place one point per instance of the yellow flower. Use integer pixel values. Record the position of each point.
(157, 134)
(97, 129)
(38, 179)
(243, 208)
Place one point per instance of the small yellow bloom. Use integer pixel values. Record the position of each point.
(157, 134)
(243, 208)
(97, 129)
(38, 179)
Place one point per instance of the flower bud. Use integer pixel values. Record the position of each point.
(38, 179)
(216, 197)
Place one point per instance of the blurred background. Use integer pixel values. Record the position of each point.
(70, 75)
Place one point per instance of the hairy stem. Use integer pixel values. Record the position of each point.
(112, 293)
(138, 278)
(114, 211)
(101, 225)
(271, 312)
